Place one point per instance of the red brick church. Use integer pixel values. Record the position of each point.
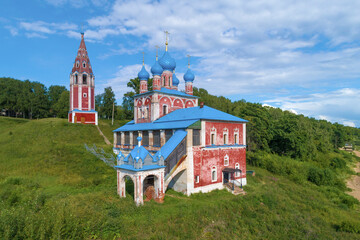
(175, 143)
(82, 89)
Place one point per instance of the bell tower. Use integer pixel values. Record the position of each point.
(82, 89)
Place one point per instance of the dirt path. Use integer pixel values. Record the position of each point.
(105, 138)
(354, 181)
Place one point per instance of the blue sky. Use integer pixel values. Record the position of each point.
(301, 56)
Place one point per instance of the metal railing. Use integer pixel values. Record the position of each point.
(107, 158)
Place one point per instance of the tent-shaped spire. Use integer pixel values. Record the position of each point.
(82, 61)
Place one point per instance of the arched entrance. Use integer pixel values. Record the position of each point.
(151, 187)
(129, 186)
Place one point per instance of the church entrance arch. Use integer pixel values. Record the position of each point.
(151, 187)
(129, 186)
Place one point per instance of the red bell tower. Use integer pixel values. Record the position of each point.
(82, 89)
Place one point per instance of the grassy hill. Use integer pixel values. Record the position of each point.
(51, 187)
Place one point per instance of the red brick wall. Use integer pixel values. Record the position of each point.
(206, 158)
(220, 126)
(76, 97)
(85, 100)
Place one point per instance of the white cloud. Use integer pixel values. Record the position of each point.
(248, 46)
(335, 106)
(42, 29)
(13, 31)
(121, 78)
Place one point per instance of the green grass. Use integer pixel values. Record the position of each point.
(51, 188)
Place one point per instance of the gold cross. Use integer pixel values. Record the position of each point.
(143, 53)
(167, 38)
(188, 60)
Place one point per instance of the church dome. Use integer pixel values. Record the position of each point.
(143, 74)
(156, 69)
(167, 62)
(189, 76)
(175, 80)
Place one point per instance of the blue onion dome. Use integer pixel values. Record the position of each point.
(156, 69)
(175, 80)
(143, 74)
(167, 62)
(189, 76)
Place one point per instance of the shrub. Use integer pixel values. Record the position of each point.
(337, 163)
(347, 226)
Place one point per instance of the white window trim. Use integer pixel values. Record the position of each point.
(237, 166)
(226, 160)
(197, 179)
(236, 138)
(214, 169)
(213, 131)
(84, 95)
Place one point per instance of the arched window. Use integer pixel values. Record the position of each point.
(163, 80)
(213, 174)
(212, 139)
(84, 79)
(237, 166)
(236, 138)
(225, 139)
(77, 64)
(84, 64)
(76, 79)
(165, 109)
(226, 160)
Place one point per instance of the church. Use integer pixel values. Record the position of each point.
(82, 89)
(175, 142)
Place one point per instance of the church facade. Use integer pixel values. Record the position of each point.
(173, 142)
(82, 89)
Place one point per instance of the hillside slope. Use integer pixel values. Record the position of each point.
(50, 187)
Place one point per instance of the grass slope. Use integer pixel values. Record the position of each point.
(50, 187)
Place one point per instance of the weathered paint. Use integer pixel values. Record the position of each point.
(207, 158)
(220, 128)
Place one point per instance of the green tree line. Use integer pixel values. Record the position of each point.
(28, 99)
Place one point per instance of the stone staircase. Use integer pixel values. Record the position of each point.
(236, 191)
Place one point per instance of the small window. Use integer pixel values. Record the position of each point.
(84, 64)
(76, 79)
(236, 138)
(77, 64)
(225, 139)
(196, 137)
(212, 139)
(84, 79)
(165, 109)
(84, 95)
(197, 179)
(213, 174)
(226, 160)
(237, 166)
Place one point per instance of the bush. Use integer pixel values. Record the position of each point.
(337, 163)
(347, 226)
(321, 176)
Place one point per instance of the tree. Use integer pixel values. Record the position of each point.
(61, 107)
(55, 92)
(108, 101)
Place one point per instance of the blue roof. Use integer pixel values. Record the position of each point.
(207, 113)
(77, 110)
(189, 76)
(175, 80)
(140, 152)
(168, 91)
(167, 62)
(144, 168)
(155, 125)
(156, 69)
(143, 74)
(172, 143)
